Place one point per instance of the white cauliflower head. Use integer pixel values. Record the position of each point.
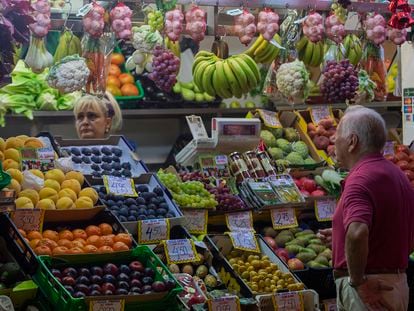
(292, 79)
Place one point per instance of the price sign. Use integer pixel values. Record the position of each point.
(319, 113)
(227, 303)
(195, 221)
(324, 209)
(290, 301)
(283, 218)
(120, 186)
(28, 219)
(180, 251)
(244, 240)
(330, 306)
(153, 231)
(240, 221)
(270, 118)
(107, 305)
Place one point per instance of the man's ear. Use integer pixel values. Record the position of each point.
(353, 143)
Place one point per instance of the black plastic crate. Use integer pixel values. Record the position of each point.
(322, 281)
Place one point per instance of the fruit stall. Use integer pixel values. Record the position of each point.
(212, 194)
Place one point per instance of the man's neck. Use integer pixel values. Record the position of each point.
(353, 160)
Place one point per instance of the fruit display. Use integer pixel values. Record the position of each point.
(165, 66)
(404, 159)
(245, 27)
(373, 64)
(323, 135)
(121, 21)
(155, 20)
(310, 53)
(375, 28)
(174, 24)
(93, 22)
(234, 76)
(309, 188)
(192, 294)
(353, 49)
(262, 51)
(144, 39)
(292, 80)
(120, 83)
(195, 23)
(190, 92)
(331, 180)
(268, 23)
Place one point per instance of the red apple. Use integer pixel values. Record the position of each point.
(269, 240)
(295, 264)
(309, 185)
(281, 252)
(403, 164)
(403, 148)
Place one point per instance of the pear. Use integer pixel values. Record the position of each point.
(188, 95)
(187, 85)
(199, 97)
(177, 88)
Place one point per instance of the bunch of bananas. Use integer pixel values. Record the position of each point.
(309, 52)
(69, 44)
(226, 78)
(353, 49)
(173, 46)
(262, 51)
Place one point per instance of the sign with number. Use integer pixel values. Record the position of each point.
(180, 251)
(283, 218)
(120, 186)
(107, 305)
(244, 240)
(290, 301)
(28, 219)
(152, 231)
(319, 113)
(227, 303)
(270, 118)
(195, 221)
(324, 209)
(240, 221)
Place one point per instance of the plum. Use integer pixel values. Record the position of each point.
(70, 272)
(126, 166)
(95, 167)
(124, 269)
(96, 151)
(75, 151)
(109, 278)
(116, 151)
(147, 280)
(86, 160)
(83, 280)
(121, 291)
(96, 159)
(110, 268)
(136, 290)
(135, 274)
(84, 271)
(149, 272)
(140, 201)
(86, 151)
(122, 277)
(56, 273)
(115, 159)
(95, 293)
(136, 266)
(135, 283)
(76, 160)
(169, 284)
(96, 287)
(79, 295)
(116, 166)
(158, 286)
(69, 289)
(82, 288)
(158, 191)
(123, 284)
(107, 159)
(147, 289)
(95, 270)
(108, 287)
(106, 151)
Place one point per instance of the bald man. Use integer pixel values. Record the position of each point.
(373, 225)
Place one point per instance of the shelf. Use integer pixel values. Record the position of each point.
(386, 104)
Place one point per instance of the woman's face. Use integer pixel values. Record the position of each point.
(92, 124)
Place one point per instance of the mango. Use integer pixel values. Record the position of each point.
(65, 203)
(1, 156)
(322, 260)
(23, 138)
(55, 174)
(13, 154)
(305, 257)
(317, 248)
(37, 173)
(68, 193)
(48, 193)
(14, 185)
(51, 183)
(46, 204)
(84, 202)
(2, 144)
(281, 240)
(71, 184)
(23, 202)
(16, 174)
(294, 249)
(90, 193)
(9, 163)
(31, 194)
(75, 175)
(14, 142)
(33, 142)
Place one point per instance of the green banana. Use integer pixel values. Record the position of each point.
(207, 80)
(199, 73)
(234, 86)
(253, 66)
(308, 53)
(301, 44)
(221, 85)
(251, 78)
(238, 73)
(250, 51)
(199, 60)
(262, 48)
(316, 55)
(264, 57)
(346, 43)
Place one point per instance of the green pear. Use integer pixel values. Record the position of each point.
(235, 104)
(249, 104)
(177, 88)
(199, 97)
(188, 95)
(187, 85)
(208, 97)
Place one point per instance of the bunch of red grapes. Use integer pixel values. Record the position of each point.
(165, 67)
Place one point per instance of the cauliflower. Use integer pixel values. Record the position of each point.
(144, 39)
(294, 158)
(47, 100)
(68, 75)
(301, 148)
(276, 153)
(292, 79)
(268, 138)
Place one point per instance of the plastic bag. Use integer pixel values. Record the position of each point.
(31, 181)
(334, 52)
(64, 164)
(373, 64)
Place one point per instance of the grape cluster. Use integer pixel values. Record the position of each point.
(165, 67)
(340, 81)
(156, 20)
(226, 200)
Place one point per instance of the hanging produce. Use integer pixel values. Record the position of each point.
(309, 52)
(196, 24)
(292, 81)
(165, 67)
(121, 21)
(174, 24)
(268, 23)
(373, 64)
(335, 29)
(262, 51)
(69, 44)
(366, 87)
(245, 27)
(155, 19)
(38, 58)
(353, 49)
(374, 26)
(93, 22)
(313, 27)
(144, 39)
(397, 36)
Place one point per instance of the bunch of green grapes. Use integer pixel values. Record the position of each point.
(339, 10)
(156, 20)
(171, 181)
(194, 201)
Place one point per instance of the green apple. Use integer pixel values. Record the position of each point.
(250, 104)
(235, 104)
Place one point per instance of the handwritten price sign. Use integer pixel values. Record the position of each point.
(324, 209)
(228, 303)
(240, 221)
(153, 231)
(28, 219)
(283, 218)
(180, 251)
(244, 240)
(107, 305)
(120, 186)
(290, 301)
(195, 221)
(319, 113)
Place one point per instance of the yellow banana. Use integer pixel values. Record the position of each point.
(250, 51)
(262, 47)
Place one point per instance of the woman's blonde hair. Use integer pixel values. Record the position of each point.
(107, 105)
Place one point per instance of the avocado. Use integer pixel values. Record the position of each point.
(281, 240)
(10, 273)
(322, 260)
(317, 248)
(305, 256)
(293, 248)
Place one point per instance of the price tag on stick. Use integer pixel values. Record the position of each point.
(195, 221)
(290, 301)
(153, 231)
(324, 209)
(244, 240)
(240, 221)
(120, 186)
(319, 113)
(283, 218)
(180, 251)
(29, 219)
(107, 305)
(227, 303)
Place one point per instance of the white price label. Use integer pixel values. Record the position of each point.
(240, 221)
(319, 113)
(180, 251)
(244, 240)
(290, 301)
(270, 118)
(120, 186)
(197, 127)
(283, 218)
(234, 12)
(195, 221)
(107, 305)
(324, 209)
(227, 303)
(28, 219)
(153, 231)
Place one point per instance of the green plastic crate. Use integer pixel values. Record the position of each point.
(61, 299)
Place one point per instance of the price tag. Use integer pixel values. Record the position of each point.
(324, 209)
(290, 301)
(195, 221)
(84, 10)
(180, 251)
(197, 127)
(227, 303)
(319, 113)
(240, 221)
(107, 305)
(120, 186)
(234, 12)
(389, 149)
(270, 118)
(244, 240)
(283, 218)
(153, 231)
(28, 219)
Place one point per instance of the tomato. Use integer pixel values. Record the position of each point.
(129, 89)
(117, 59)
(114, 90)
(114, 70)
(126, 78)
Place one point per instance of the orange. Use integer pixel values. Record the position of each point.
(76, 250)
(93, 240)
(117, 58)
(123, 237)
(105, 228)
(92, 230)
(66, 234)
(105, 249)
(112, 236)
(80, 240)
(78, 244)
(120, 246)
(114, 70)
(43, 250)
(114, 90)
(47, 242)
(79, 233)
(126, 78)
(22, 232)
(34, 243)
(129, 89)
(65, 243)
(60, 250)
(105, 241)
(112, 80)
(50, 234)
(90, 249)
(34, 235)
